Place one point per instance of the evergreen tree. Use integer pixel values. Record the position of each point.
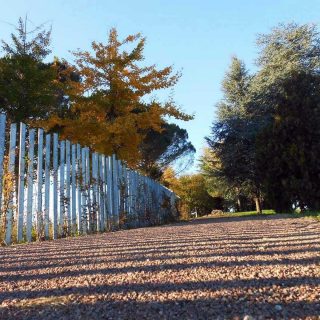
(28, 86)
(287, 85)
(233, 135)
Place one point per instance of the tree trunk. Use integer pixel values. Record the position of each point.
(239, 207)
(258, 205)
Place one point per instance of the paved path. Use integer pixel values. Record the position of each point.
(266, 267)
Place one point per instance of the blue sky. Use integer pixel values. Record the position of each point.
(197, 37)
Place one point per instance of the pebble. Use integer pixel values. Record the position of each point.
(278, 307)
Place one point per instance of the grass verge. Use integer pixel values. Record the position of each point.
(312, 214)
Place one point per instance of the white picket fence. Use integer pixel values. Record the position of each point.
(51, 188)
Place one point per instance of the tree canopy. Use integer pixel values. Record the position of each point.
(28, 85)
(110, 102)
(266, 136)
(160, 149)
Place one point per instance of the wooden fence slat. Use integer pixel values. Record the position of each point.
(115, 184)
(130, 197)
(124, 188)
(135, 202)
(47, 187)
(94, 189)
(101, 192)
(2, 147)
(118, 174)
(150, 200)
(133, 195)
(40, 183)
(138, 200)
(30, 177)
(159, 203)
(134, 198)
(126, 192)
(83, 192)
(99, 217)
(62, 185)
(118, 194)
(147, 202)
(22, 150)
(109, 192)
(68, 205)
(11, 164)
(55, 185)
(79, 188)
(87, 189)
(106, 208)
(74, 189)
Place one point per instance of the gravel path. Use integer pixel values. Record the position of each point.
(234, 268)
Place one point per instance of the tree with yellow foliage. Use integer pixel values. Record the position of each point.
(109, 112)
(193, 192)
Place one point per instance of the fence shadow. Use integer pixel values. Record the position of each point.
(104, 306)
(202, 271)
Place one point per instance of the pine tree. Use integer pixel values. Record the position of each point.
(28, 86)
(233, 135)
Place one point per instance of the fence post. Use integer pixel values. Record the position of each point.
(98, 209)
(94, 217)
(68, 185)
(101, 192)
(138, 199)
(83, 192)
(47, 187)
(126, 191)
(121, 198)
(74, 188)
(62, 197)
(115, 191)
(109, 191)
(105, 188)
(40, 182)
(55, 185)
(22, 151)
(131, 194)
(79, 186)
(30, 185)
(12, 157)
(2, 147)
(88, 187)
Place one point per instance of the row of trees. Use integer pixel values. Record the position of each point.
(264, 146)
(101, 100)
(193, 192)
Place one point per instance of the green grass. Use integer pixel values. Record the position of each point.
(311, 214)
(249, 213)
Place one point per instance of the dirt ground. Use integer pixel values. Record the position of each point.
(235, 268)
